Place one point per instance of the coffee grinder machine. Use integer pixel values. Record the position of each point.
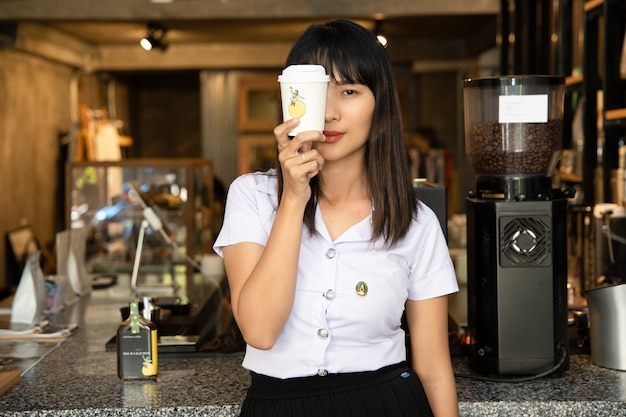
(516, 226)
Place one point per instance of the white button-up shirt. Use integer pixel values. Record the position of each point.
(350, 293)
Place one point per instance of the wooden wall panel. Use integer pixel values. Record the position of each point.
(34, 113)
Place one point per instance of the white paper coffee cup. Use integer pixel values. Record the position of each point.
(303, 91)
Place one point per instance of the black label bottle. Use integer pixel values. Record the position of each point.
(137, 347)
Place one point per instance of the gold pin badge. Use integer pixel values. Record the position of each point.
(361, 289)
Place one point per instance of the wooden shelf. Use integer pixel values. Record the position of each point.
(572, 178)
(592, 4)
(573, 80)
(615, 114)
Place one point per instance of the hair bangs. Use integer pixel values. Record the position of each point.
(345, 55)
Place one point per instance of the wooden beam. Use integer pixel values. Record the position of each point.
(192, 56)
(53, 45)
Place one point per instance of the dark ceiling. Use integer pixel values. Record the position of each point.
(476, 32)
(261, 30)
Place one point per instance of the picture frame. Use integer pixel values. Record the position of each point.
(259, 108)
(256, 153)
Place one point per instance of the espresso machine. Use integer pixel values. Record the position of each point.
(516, 226)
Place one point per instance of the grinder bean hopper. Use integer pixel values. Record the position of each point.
(513, 134)
(516, 227)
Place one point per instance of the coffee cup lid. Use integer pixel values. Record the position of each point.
(304, 73)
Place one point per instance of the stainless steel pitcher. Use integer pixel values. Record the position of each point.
(607, 326)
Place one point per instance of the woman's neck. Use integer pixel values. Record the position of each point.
(338, 184)
(344, 200)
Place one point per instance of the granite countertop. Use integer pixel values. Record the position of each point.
(79, 377)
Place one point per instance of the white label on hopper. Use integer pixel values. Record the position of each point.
(523, 109)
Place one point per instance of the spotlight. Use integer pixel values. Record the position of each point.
(382, 39)
(155, 38)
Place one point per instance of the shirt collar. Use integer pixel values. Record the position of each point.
(356, 233)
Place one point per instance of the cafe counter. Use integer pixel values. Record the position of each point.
(78, 377)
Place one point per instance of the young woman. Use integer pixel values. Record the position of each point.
(325, 253)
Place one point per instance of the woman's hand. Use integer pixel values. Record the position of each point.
(298, 159)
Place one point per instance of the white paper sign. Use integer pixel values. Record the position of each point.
(74, 243)
(63, 249)
(523, 109)
(29, 301)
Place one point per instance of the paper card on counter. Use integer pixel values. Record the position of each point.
(62, 250)
(75, 240)
(29, 301)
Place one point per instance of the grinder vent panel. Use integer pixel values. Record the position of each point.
(525, 241)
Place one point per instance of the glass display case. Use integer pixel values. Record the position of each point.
(109, 200)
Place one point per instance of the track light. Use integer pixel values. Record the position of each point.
(382, 39)
(155, 38)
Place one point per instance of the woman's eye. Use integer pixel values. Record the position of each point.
(349, 92)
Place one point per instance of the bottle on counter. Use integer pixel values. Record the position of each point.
(137, 344)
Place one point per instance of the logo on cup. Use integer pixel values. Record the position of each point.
(296, 108)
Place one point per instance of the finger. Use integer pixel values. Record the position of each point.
(281, 132)
(303, 141)
(317, 164)
(299, 158)
(312, 160)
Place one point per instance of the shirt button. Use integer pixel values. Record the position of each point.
(329, 294)
(331, 253)
(323, 333)
(322, 372)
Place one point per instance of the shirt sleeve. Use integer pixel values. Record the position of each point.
(247, 216)
(432, 273)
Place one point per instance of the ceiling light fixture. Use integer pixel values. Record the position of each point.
(155, 38)
(382, 39)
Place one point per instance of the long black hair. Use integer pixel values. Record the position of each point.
(351, 52)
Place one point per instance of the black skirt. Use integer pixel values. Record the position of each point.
(393, 391)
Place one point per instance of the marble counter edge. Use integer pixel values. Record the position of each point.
(467, 409)
(542, 408)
